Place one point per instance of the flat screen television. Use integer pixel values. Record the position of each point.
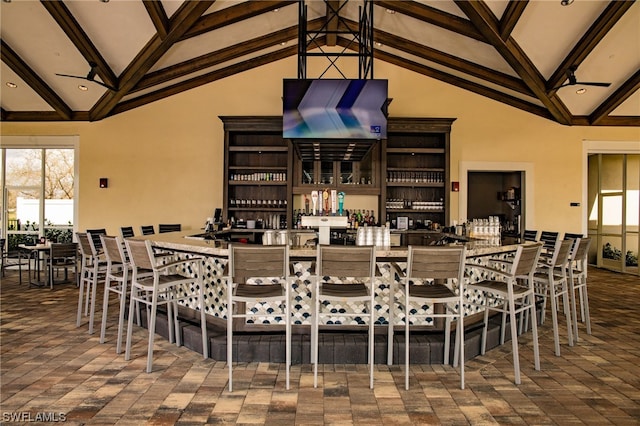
(334, 109)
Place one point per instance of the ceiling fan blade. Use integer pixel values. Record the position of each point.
(91, 80)
(588, 83)
(72, 76)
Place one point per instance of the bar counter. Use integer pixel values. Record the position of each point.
(389, 261)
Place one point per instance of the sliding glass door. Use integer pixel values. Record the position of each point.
(614, 212)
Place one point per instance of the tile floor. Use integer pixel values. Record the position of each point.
(51, 370)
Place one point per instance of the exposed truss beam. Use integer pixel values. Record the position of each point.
(453, 62)
(80, 40)
(511, 16)
(220, 56)
(605, 22)
(332, 19)
(232, 14)
(623, 93)
(181, 21)
(464, 84)
(486, 22)
(205, 79)
(433, 16)
(158, 16)
(34, 81)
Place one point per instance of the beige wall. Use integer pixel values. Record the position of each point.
(164, 160)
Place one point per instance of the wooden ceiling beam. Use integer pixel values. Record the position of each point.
(485, 21)
(598, 30)
(181, 21)
(80, 40)
(205, 79)
(41, 116)
(464, 84)
(233, 14)
(223, 55)
(453, 62)
(432, 16)
(158, 16)
(628, 88)
(332, 20)
(511, 16)
(20, 67)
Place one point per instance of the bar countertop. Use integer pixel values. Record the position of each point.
(186, 242)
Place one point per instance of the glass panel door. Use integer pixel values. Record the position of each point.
(38, 194)
(614, 212)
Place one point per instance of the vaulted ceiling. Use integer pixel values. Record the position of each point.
(515, 52)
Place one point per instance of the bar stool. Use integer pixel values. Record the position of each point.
(258, 274)
(126, 232)
(147, 230)
(512, 294)
(116, 281)
(551, 282)
(94, 267)
(357, 262)
(162, 289)
(169, 227)
(578, 281)
(530, 235)
(428, 266)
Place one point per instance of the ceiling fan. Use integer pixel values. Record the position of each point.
(90, 77)
(573, 81)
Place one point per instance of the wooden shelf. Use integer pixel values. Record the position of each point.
(405, 151)
(416, 184)
(261, 148)
(258, 183)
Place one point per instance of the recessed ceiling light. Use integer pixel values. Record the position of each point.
(11, 84)
(581, 90)
(378, 44)
(566, 2)
(104, 1)
(83, 87)
(283, 43)
(7, 1)
(390, 11)
(276, 10)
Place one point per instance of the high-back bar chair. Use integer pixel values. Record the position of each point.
(162, 289)
(435, 275)
(93, 268)
(551, 283)
(510, 292)
(258, 274)
(358, 263)
(169, 227)
(577, 270)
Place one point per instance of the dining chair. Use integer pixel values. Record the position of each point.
(509, 289)
(344, 274)
(577, 270)
(550, 281)
(93, 268)
(163, 289)
(258, 274)
(61, 256)
(16, 257)
(435, 275)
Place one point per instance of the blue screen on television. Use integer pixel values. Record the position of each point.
(334, 109)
